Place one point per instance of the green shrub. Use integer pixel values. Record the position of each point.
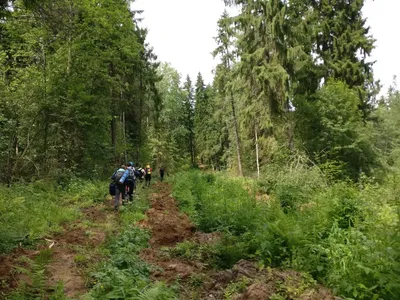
(234, 210)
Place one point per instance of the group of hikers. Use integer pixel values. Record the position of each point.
(125, 180)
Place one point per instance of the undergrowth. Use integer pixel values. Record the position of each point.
(344, 237)
(35, 270)
(125, 275)
(28, 212)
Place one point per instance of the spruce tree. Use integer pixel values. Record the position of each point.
(225, 78)
(201, 116)
(343, 44)
(189, 105)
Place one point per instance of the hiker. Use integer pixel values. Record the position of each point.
(139, 174)
(143, 173)
(148, 174)
(118, 178)
(162, 173)
(131, 180)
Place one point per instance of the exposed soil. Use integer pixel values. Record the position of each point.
(168, 227)
(95, 214)
(63, 266)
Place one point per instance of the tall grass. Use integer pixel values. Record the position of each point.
(346, 238)
(28, 212)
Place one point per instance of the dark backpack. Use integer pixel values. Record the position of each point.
(131, 175)
(138, 173)
(112, 189)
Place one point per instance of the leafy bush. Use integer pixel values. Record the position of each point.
(197, 194)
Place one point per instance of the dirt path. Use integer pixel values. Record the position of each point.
(71, 252)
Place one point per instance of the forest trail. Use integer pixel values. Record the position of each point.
(69, 253)
(200, 280)
(178, 253)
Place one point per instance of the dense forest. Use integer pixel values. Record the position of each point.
(81, 91)
(293, 115)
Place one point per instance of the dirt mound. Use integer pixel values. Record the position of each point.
(169, 269)
(245, 281)
(207, 238)
(80, 236)
(62, 266)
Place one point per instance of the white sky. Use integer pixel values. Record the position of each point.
(182, 31)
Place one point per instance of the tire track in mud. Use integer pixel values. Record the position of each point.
(63, 266)
(168, 227)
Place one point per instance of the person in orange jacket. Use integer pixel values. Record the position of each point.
(148, 170)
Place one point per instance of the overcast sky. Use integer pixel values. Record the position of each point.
(182, 31)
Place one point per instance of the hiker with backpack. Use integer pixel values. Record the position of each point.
(138, 178)
(131, 181)
(148, 175)
(162, 174)
(118, 179)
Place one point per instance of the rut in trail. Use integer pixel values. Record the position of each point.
(168, 227)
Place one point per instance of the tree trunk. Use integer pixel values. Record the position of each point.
(124, 131)
(236, 127)
(235, 123)
(140, 120)
(114, 125)
(192, 149)
(257, 153)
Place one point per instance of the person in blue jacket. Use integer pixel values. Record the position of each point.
(119, 178)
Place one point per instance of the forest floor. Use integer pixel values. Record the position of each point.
(180, 255)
